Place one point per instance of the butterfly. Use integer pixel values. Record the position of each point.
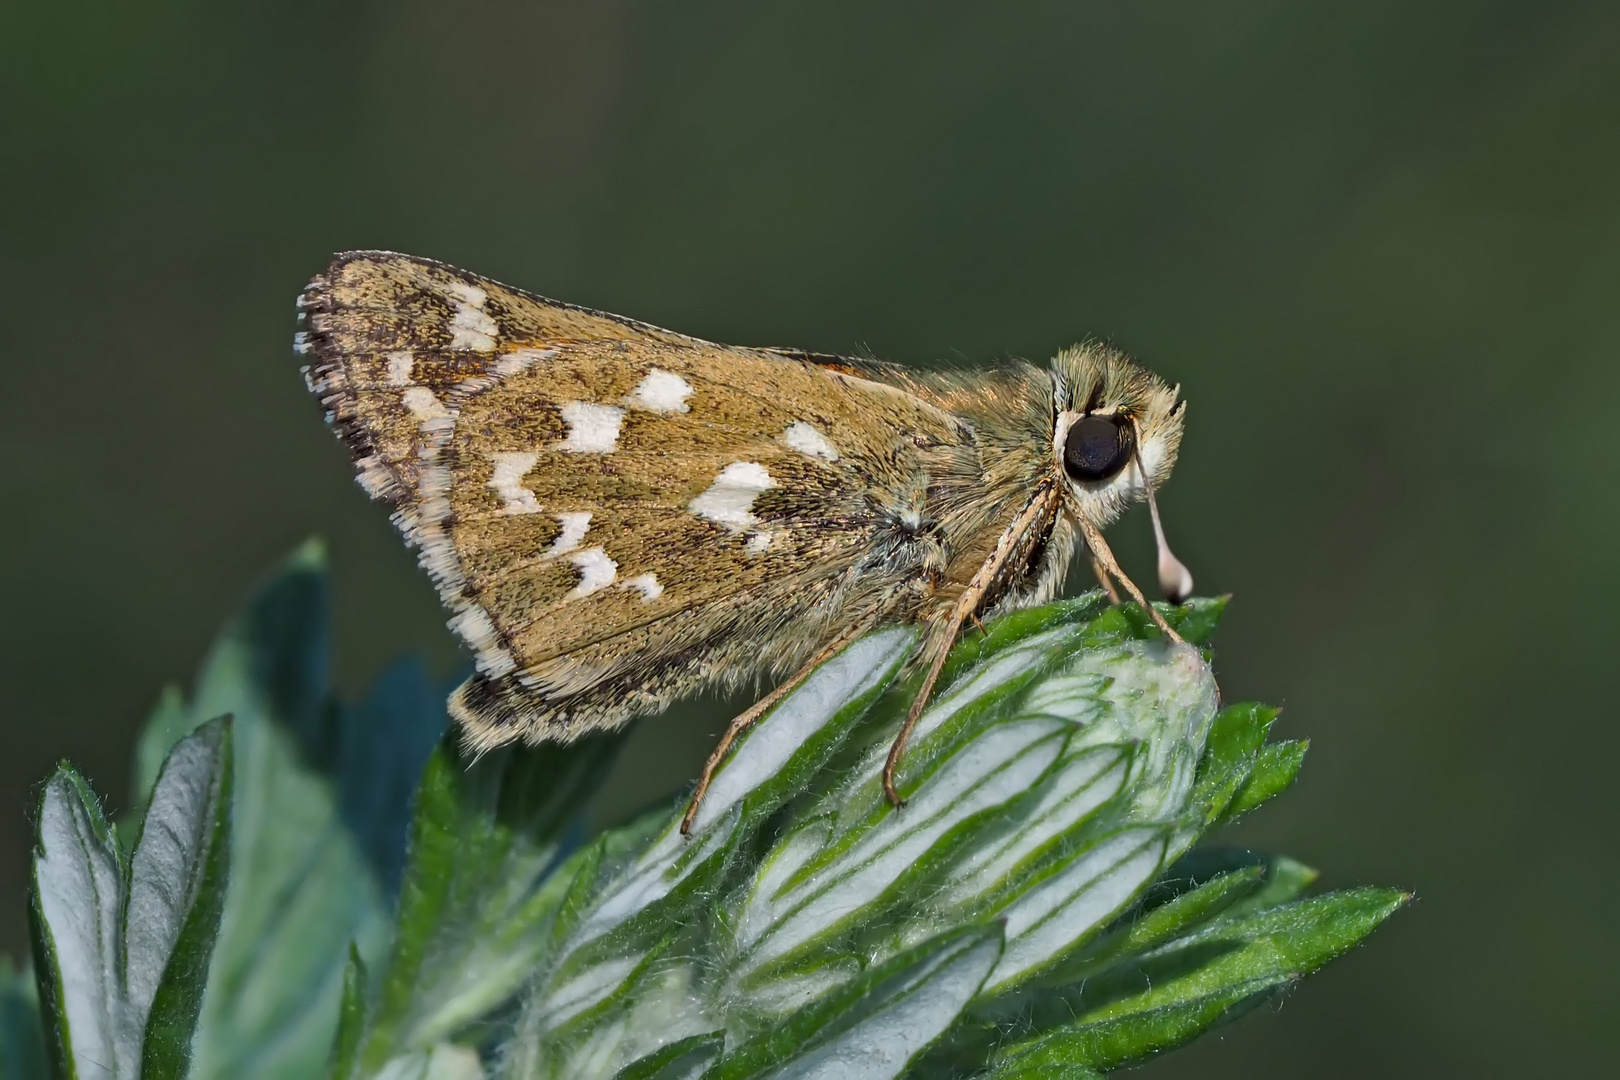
(618, 516)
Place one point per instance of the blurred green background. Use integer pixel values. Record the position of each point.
(1377, 243)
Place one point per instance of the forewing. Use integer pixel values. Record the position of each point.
(588, 491)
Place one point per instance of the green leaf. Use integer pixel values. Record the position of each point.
(1172, 993)
(1276, 767)
(1015, 626)
(474, 912)
(22, 1049)
(1197, 619)
(873, 1027)
(1156, 924)
(1229, 756)
(1036, 1069)
(1111, 1043)
(351, 1019)
(1084, 786)
(177, 888)
(685, 1059)
(1284, 879)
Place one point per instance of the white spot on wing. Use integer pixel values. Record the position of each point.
(758, 542)
(507, 482)
(399, 368)
(661, 391)
(474, 627)
(649, 586)
(574, 526)
(465, 293)
(471, 327)
(730, 499)
(592, 429)
(422, 403)
(596, 572)
(521, 360)
(807, 440)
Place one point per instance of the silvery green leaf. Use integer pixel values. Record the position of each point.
(877, 1024)
(775, 759)
(957, 712)
(1138, 713)
(126, 957)
(77, 909)
(1080, 895)
(975, 755)
(1114, 1042)
(981, 776)
(1086, 779)
(1032, 910)
(639, 902)
(178, 884)
(1051, 781)
(444, 1061)
(1039, 739)
(686, 1059)
(476, 909)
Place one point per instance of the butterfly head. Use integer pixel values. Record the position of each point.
(1116, 431)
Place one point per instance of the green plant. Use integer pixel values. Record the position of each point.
(1038, 907)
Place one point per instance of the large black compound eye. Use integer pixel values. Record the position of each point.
(1096, 448)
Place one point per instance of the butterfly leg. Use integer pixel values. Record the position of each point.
(1103, 557)
(1106, 581)
(1039, 509)
(746, 720)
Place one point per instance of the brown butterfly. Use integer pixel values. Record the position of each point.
(618, 515)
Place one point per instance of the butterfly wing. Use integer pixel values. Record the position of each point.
(614, 513)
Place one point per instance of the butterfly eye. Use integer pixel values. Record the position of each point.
(1096, 448)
